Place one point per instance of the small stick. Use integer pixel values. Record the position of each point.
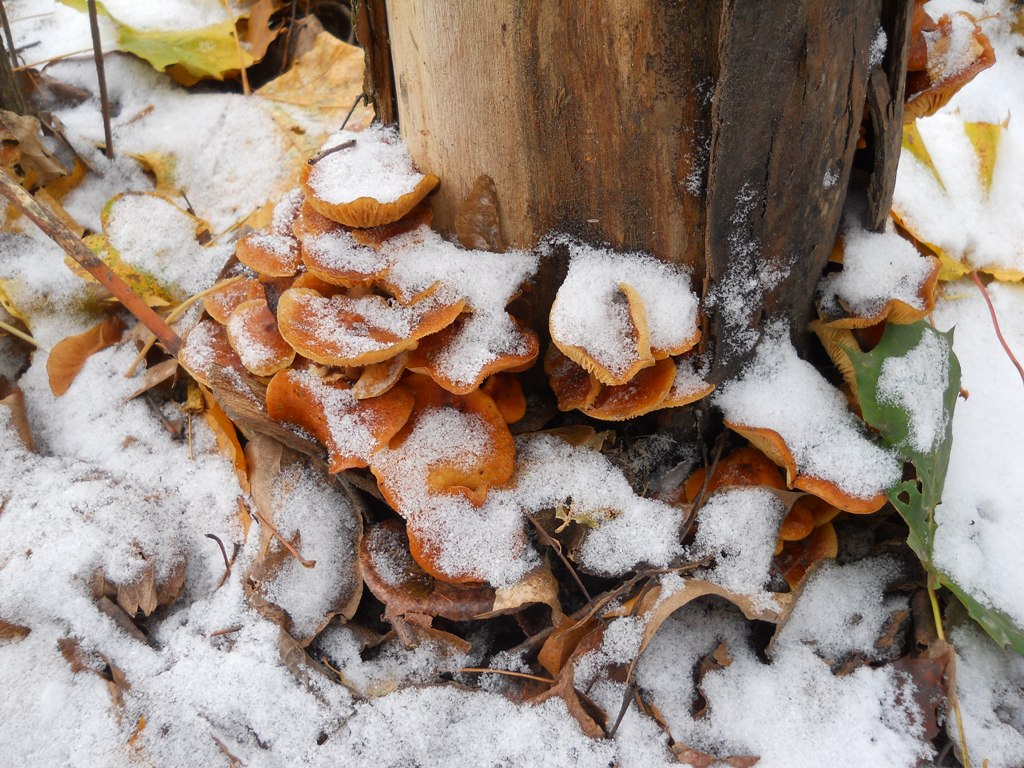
(225, 631)
(509, 672)
(263, 521)
(20, 334)
(97, 52)
(557, 546)
(698, 502)
(224, 553)
(995, 323)
(324, 153)
(8, 36)
(59, 57)
(73, 246)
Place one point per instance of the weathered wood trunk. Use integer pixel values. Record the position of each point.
(717, 134)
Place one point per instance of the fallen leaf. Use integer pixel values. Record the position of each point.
(227, 437)
(12, 631)
(13, 399)
(23, 152)
(69, 355)
(155, 376)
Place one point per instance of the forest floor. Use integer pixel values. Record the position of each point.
(148, 615)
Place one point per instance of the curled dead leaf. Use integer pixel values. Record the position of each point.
(69, 355)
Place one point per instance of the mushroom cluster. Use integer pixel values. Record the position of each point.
(621, 325)
(370, 331)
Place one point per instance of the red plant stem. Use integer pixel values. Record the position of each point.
(995, 323)
(74, 247)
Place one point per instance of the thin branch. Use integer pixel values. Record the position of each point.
(698, 502)
(556, 545)
(20, 334)
(73, 246)
(995, 323)
(324, 153)
(225, 631)
(361, 97)
(238, 46)
(8, 36)
(58, 57)
(97, 53)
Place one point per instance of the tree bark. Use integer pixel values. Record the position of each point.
(715, 134)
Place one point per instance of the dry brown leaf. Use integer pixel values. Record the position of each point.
(12, 631)
(227, 437)
(155, 376)
(68, 356)
(23, 151)
(257, 34)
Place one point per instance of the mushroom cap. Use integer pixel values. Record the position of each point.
(404, 586)
(644, 393)
(572, 384)
(745, 466)
(337, 258)
(351, 430)
(798, 556)
(221, 303)
(253, 334)
(378, 378)
(507, 393)
(774, 447)
(632, 351)
(355, 331)
(309, 222)
(947, 70)
(798, 524)
(205, 351)
(688, 387)
(366, 212)
(269, 254)
(375, 237)
(459, 359)
(470, 468)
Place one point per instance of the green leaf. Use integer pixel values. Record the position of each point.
(206, 52)
(916, 500)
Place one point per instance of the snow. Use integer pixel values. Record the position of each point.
(738, 527)
(377, 166)
(781, 392)
(878, 267)
(979, 521)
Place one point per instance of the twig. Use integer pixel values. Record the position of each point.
(20, 334)
(324, 153)
(224, 554)
(361, 97)
(627, 695)
(556, 545)
(294, 552)
(190, 456)
(8, 36)
(509, 672)
(225, 631)
(698, 502)
(73, 246)
(995, 323)
(97, 52)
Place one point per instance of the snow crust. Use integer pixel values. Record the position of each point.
(377, 165)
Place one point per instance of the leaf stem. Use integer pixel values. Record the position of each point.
(937, 615)
(20, 334)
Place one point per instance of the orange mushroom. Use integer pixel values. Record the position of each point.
(478, 355)
(336, 257)
(452, 444)
(221, 303)
(253, 334)
(205, 352)
(798, 556)
(572, 384)
(355, 331)
(351, 430)
(644, 393)
(398, 580)
(378, 378)
(745, 466)
(269, 254)
(507, 393)
(365, 179)
(375, 237)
